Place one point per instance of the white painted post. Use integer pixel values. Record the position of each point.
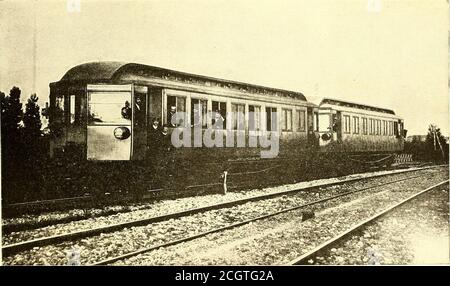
(225, 182)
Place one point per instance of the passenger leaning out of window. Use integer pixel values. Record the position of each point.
(171, 116)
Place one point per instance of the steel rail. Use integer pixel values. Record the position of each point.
(83, 198)
(8, 228)
(10, 249)
(234, 225)
(303, 259)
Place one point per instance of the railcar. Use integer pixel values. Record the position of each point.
(103, 111)
(102, 117)
(356, 128)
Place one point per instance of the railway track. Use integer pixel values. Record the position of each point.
(323, 247)
(234, 225)
(18, 247)
(15, 227)
(56, 203)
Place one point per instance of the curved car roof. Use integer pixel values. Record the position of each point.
(338, 102)
(115, 71)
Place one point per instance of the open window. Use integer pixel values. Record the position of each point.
(76, 108)
(355, 125)
(364, 126)
(176, 109)
(58, 110)
(219, 118)
(347, 127)
(287, 119)
(199, 109)
(300, 120)
(238, 116)
(271, 119)
(254, 117)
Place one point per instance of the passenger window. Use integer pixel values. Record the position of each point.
(287, 119)
(271, 119)
(356, 125)
(254, 117)
(176, 105)
(300, 120)
(316, 121)
(364, 126)
(238, 116)
(109, 108)
(219, 118)
(72, 109)
(199, 112)
(59, 108)
(346, 124)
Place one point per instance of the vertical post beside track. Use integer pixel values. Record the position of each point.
(224, 182)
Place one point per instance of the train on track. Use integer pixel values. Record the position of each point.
(106, 112)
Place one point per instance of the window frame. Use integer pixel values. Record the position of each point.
(258, 127)
(168, 122)
(224, 116)
(347, 125)
(204, 117)
(364, 126)
(284, 116)
(298, 114)
(271, 119)
(355, 124)
(235, 119)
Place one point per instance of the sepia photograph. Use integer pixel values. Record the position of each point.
(224, 133)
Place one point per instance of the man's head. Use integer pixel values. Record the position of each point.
(165, 129)
(155, 122)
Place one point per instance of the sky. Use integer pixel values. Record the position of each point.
(392, 54)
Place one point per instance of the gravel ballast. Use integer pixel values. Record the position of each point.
(97, 248)
(414, 233)
(280, 239)
(170, 206)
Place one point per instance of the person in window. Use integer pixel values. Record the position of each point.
(218, 120)
(196, 117)
(138, 103)
(126, 111)
(172, 112)
(139, 111)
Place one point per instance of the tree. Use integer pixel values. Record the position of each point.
(32, 119)
(436, 143)
(11, 111)
(11, 115)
